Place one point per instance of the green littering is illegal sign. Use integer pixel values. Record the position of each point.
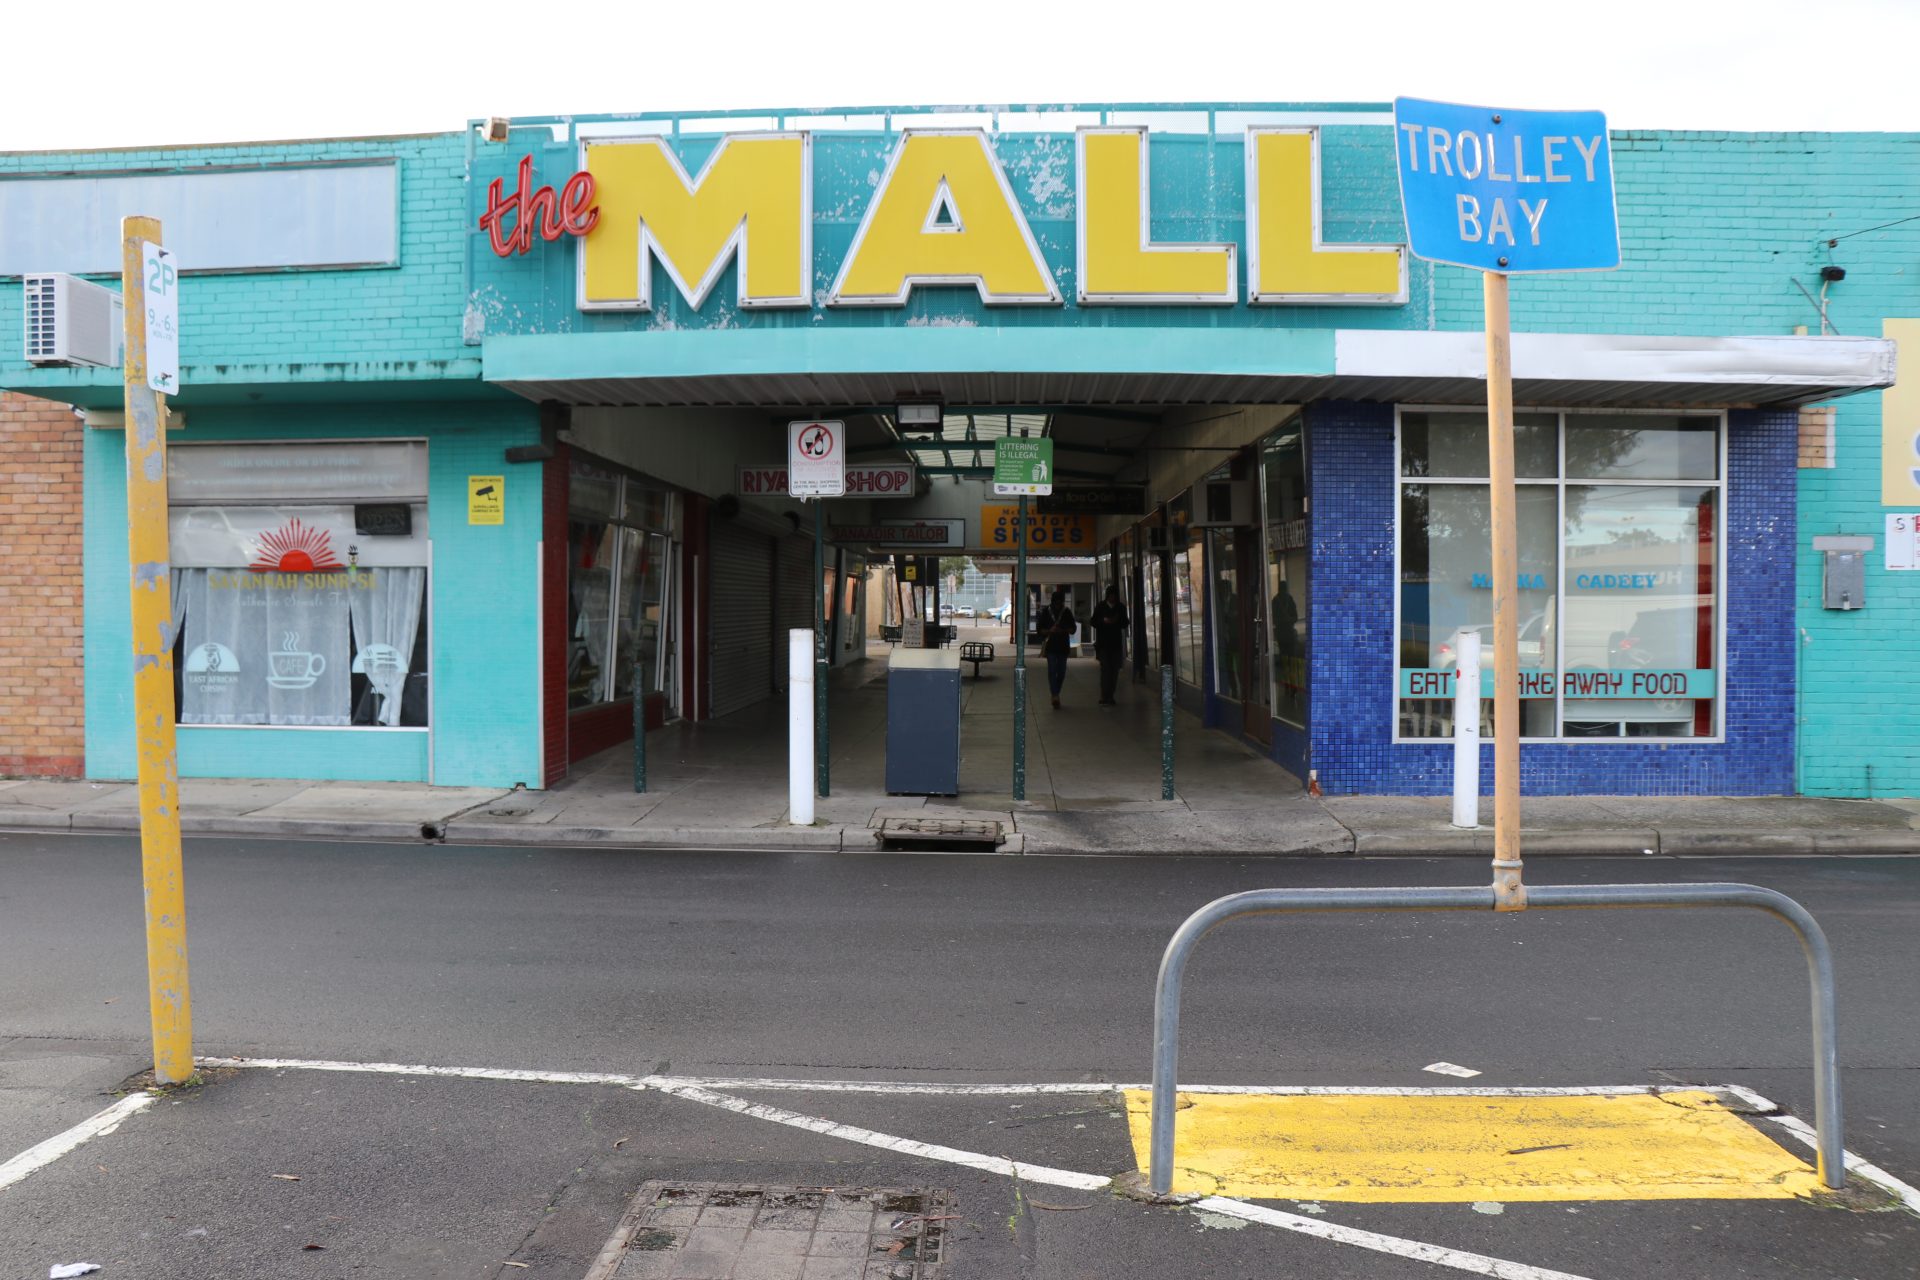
(1022, 466)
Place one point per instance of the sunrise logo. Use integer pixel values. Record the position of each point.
(296, 548)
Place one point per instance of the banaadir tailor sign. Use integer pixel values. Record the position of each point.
(942, 213)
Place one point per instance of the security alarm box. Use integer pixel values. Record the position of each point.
(71, 321)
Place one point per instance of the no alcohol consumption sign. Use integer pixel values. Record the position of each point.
(816, 459)
(1507, 191)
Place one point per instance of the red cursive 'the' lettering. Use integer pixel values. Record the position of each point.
(571, 212)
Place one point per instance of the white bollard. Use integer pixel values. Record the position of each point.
(1466, 730)
(800, 781)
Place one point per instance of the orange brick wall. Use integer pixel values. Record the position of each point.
(42, 705)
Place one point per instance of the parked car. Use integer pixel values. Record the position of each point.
(963, 611)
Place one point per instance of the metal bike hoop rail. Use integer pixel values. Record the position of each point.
(1830, 1157)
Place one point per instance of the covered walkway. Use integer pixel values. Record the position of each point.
(1093, 773)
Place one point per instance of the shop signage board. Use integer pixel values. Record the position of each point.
(816, 459)
(1509, 191)
(1022, 466)
(1642, 683)
(162, 294)
(918, 535)
(486, 499)
(1048, 534)
(863, 480)
(1096, 500)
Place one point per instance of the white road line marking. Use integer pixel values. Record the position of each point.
(1478, 1264)
(1909, 1196)
(1450, 1069)
(684, 1084)
(1460, 1260)
(42, 1154)
(887, 1142)
(415, 1069)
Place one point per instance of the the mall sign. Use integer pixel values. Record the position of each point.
(942, 214)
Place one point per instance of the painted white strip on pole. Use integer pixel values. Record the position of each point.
(40, 1155)
(887, 1142)
(800, 727)
(1476, 1263)
(1466, 730)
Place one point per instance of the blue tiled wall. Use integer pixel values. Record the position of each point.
(1353, 479)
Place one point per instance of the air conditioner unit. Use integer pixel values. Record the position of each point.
(72, 321)
(1219, 503)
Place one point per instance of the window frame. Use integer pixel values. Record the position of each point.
(1722, 483)
(428, 620)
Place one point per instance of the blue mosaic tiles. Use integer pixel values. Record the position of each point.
(1352, 477)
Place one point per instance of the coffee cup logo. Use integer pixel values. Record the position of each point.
(293, 667)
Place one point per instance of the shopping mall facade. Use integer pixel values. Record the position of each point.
(473, 451)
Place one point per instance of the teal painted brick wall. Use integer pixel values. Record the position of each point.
(484, 628)
(409, 313)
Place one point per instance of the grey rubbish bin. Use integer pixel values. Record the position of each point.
(923, 722)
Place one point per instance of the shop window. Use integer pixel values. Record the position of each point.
(619, 587)
(296, 603)
(1618, 576)
(1283, 500)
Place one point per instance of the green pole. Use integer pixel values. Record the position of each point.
(1166, 733)
(820, 769)
(1020, 657)
(639, 733)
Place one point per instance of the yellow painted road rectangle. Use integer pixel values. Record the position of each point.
(1435, 1148)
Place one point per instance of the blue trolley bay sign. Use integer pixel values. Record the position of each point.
(1506, 191)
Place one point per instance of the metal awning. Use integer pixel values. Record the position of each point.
(1036, 368)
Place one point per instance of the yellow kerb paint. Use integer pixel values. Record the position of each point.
(1441, 1149)
(1116, 262)
(754, 188)
(1289, 265)
(900, 243)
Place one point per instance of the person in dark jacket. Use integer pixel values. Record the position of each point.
(1056, 624)
(1110, 623)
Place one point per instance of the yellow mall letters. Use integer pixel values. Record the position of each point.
(944, 214)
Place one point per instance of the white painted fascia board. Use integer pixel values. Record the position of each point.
(1852, 364)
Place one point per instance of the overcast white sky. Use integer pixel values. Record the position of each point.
(83, 73)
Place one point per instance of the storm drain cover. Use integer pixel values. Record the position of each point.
(938, 831)
(723, 1231)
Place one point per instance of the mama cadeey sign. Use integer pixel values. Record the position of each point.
(945, 207)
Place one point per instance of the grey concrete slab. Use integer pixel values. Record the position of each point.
(59, 796)
(376, 802)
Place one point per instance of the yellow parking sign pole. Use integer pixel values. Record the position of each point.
(170, 1002)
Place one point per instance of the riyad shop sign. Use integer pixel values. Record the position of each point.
(942, 213)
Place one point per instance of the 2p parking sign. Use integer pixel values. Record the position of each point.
(1508, 191)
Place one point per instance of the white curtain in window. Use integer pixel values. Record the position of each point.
(265, 648)
(385, 606)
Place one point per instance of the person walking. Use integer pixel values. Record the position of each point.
(1110, 623)
(1056, 626)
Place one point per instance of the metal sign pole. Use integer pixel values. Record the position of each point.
(169, 997)
(1510, 893)
(821, 770)
(1019, 614)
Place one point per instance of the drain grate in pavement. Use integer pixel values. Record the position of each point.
(724, 1231)
(942, 831)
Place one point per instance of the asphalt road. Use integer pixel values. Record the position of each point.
(935, 968)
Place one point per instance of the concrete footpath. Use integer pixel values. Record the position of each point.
(1093, 787)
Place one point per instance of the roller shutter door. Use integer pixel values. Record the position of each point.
(795, 595)
(741, 647)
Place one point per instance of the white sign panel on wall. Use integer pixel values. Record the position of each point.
(816, 459)
(1903, 541)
